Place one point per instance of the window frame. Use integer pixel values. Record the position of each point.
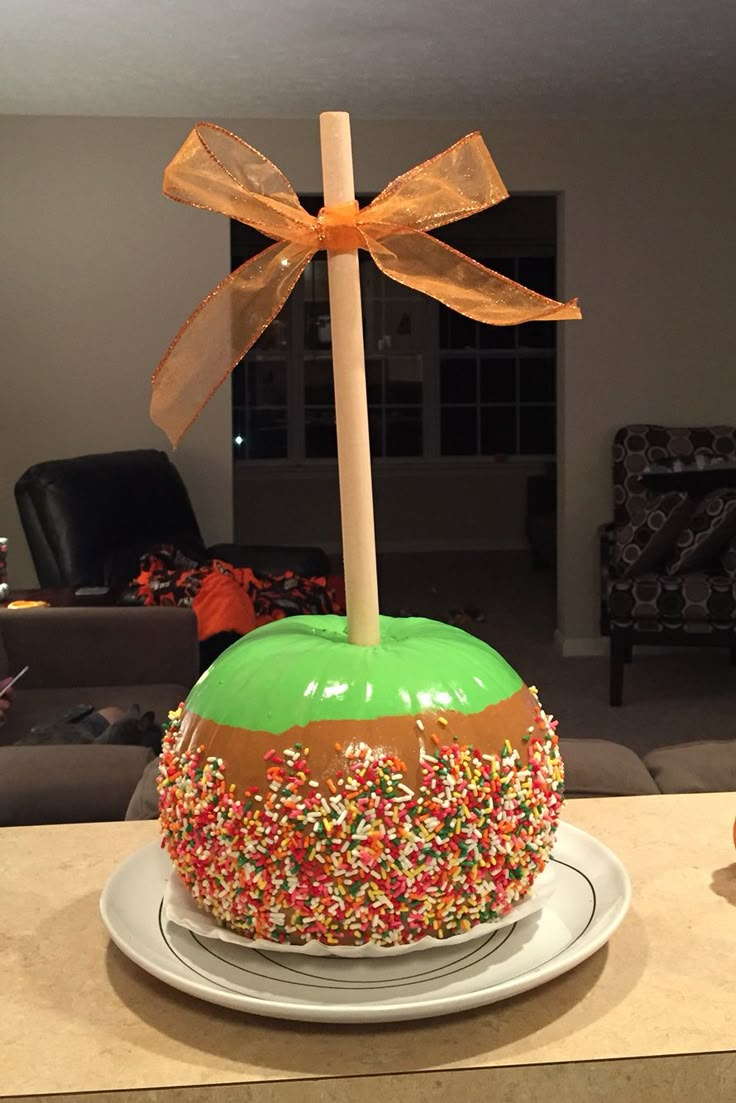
(293, 314)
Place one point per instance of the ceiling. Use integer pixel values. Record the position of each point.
(377, 59)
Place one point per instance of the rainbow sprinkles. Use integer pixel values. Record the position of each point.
(362, 856)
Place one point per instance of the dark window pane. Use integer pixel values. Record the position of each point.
(318, 383)
(404, 380)
(498, 430)
(315, 280)
(458, 381)
(317, 329)
(537, 335)
(373, 283)
(459, 431)
(373, 326)
(274, 336)
(374, 381)
(538, 273)
(537, 430)
(267, 437)
(443, 319)
(403, 322)
(320, 438)
(461, 332)
(497, 337)
(238, 378)
(498, 380)
(266, 383)
(375, 430)
(239, 441)
(403, 431)
(505, 266)
(537, 380)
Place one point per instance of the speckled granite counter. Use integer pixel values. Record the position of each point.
(650, 1017)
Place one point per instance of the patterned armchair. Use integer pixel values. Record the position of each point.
(668, 560)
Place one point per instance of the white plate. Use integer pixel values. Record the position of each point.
(590, 898)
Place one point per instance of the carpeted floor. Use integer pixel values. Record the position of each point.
(683, 695)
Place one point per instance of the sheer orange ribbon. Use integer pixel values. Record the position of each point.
(218, 171)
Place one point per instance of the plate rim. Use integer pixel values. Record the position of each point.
(427, 1007)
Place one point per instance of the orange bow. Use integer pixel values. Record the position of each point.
(218, 171)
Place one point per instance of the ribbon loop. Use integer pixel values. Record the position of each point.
(218, 171)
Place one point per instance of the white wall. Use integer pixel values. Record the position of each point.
(447, 507)
(99, 271)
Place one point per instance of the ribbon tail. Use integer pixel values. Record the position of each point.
(422, 262)
(219, 332)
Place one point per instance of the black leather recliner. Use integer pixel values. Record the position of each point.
(89, 519)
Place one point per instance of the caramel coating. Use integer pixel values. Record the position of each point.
(331, 741)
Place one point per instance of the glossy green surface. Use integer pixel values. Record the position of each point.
(302, 669)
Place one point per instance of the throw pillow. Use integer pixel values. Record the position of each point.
(651, 533)
(707, 767)
(709, 529)
(728, 558)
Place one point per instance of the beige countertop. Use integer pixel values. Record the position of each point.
(651, 1016)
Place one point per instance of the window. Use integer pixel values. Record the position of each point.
(497, 383)
(438, 384)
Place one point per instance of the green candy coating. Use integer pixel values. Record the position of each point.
(295, 671)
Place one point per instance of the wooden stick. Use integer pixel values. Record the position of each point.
(351, 402)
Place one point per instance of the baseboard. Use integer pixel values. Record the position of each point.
(451, 544)
(589, 647)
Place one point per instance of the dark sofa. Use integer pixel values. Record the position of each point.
(96, 656)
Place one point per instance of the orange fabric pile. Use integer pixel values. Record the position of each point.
(226, 598)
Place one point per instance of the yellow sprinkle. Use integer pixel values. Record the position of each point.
(441, 720)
